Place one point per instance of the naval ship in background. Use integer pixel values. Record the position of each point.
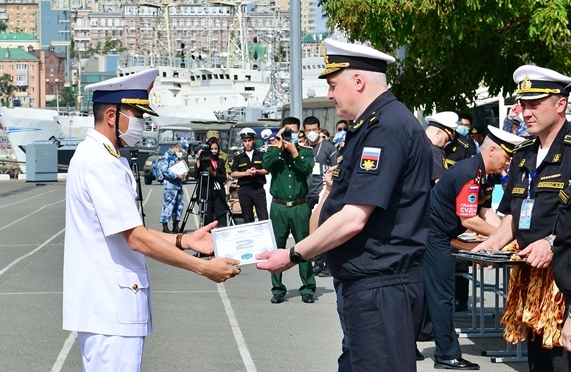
(187, 89)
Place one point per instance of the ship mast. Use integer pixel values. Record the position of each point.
(162, 40)
(237, 42)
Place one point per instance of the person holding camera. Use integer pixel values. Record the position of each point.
(210, 174)
(290, 165)
(247, 168)
(173, 203)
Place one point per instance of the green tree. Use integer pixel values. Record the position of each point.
(7, 89)
(3, 26)
(66, 98)
(447, 49)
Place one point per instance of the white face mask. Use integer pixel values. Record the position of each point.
(312, 136)
(134, 131)
(179, 154)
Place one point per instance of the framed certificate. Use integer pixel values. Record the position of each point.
(244, 242)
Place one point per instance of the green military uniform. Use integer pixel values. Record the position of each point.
(224, 156)
(289, 210)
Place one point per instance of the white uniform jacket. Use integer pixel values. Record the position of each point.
(105, 283)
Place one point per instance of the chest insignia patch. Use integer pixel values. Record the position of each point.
(370, 158)
(336, 172)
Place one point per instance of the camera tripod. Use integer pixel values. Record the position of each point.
(201, 196)
(134, 155)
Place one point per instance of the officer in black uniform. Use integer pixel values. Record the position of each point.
(461, 147)
(374, 223)
(439, 130)
(540, 169)
(461, 200)
(247, 168)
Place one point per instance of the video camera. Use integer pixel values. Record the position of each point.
(205, 154)
(286, 134)
(134, 155)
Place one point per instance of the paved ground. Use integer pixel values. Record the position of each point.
(199, 325)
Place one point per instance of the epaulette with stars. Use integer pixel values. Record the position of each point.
(112, 151)
(238, 153)
(567, 139)
(523, 145)
(306, 146)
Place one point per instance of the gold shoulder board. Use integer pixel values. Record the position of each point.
(112, 151)
(524, 144)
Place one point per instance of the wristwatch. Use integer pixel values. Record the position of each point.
(294, 256)
(550, 241)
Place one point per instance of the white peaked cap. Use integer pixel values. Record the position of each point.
(445, 120)
(506, 140)
(537, 82)
(341, 55)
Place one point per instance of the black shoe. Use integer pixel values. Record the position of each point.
(175, 229)
(307, 298)
(325, 273)
(459, 363)
(419, 355)
(277, 299)
(317, 269)
(166, 228)
(460, 306)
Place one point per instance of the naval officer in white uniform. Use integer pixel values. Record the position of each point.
(106, 289)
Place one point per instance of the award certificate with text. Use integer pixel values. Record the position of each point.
(244, 242)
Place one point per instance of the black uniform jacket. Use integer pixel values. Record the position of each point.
(387, 162)
(546, 182)
(242, 162)
(460, 148)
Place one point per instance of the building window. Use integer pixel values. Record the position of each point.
(31, 89)
(32, 78)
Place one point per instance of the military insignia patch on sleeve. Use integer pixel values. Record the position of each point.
(370, 158)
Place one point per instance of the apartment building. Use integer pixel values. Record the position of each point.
(21, 16)
(25, 71)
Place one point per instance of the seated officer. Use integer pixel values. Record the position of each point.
(461, 200)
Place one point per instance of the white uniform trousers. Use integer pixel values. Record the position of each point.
(102, 353)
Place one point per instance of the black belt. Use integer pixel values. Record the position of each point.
(290, 203)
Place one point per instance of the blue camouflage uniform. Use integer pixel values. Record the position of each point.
(172, 190)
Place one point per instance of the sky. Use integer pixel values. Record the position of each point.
(320, 22)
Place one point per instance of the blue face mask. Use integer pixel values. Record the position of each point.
(294, 137)
(462, 130)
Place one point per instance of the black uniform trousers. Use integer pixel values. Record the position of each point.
(344, 360)
(380, 323)
(250, 197)
(439, 271)
(217, 209)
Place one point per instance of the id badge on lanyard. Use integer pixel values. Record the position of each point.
(527, 207)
